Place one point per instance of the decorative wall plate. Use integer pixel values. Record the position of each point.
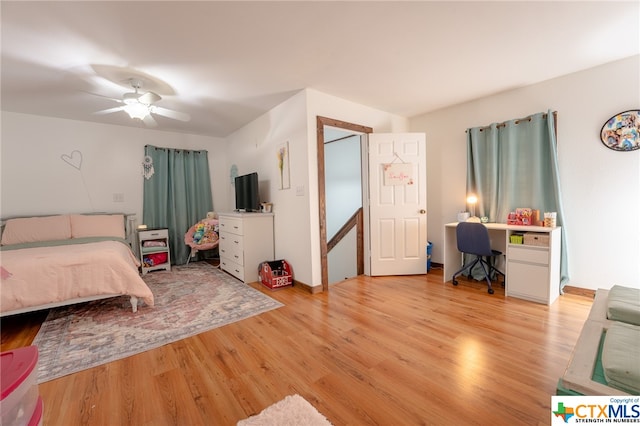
(622, 131)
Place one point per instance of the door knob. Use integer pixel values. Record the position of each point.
(422, 211)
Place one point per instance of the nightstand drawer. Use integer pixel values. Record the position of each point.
(153, 234)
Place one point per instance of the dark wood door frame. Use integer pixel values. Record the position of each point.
(320, 123)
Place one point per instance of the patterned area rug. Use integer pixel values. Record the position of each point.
(189, 300)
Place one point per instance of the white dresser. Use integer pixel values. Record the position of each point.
(246, 240)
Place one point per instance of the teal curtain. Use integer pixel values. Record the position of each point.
(177, 195)
(515, 164)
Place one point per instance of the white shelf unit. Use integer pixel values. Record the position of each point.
(160, 236)
(246, 240)
(533, 271)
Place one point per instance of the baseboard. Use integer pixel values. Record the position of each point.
(578, 291)
(307, 287)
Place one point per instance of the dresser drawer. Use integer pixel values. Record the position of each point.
(528, 254)
(528, 281)
(232, 225)
(233, 268)
(231, 246)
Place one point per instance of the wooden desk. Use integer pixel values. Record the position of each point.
(532, 272)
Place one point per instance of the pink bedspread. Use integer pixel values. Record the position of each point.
(42, 275)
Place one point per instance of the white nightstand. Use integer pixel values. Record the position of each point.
(152, 242)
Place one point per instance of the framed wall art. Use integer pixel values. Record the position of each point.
(398, 174)
(282, 155)
(622, 131)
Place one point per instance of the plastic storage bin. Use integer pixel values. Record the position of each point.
(516, 238)
(36, 418)
(20, 403)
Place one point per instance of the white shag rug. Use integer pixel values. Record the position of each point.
(294, 410)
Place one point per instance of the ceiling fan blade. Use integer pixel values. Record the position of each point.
(103, 96)
(149, 121)
(176, 115)
(110, 110)
(149, 98)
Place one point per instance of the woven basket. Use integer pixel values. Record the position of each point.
(536, 239)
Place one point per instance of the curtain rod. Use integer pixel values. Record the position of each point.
(199, 151)
(518, 121)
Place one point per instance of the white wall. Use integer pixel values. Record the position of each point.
(343, 197)
(343, 182)
(35, 179)
(342, 260)
(253, 148)
(601, 187)
(321, 104)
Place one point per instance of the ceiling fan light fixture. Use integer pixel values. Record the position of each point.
(137, 110)
(140, 106)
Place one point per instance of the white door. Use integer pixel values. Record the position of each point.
(397, 203)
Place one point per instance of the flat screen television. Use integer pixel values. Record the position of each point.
(247, 196)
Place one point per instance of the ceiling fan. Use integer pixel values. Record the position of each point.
(140, 106)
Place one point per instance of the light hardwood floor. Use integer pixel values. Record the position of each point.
(372, 351)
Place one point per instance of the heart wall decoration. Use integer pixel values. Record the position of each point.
(74, 160)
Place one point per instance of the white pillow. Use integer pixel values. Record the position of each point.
(34, 229)
(100, 225)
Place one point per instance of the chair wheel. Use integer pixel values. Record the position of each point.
(454, 281)
(490, 291)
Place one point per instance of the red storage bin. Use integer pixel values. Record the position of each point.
(276, 274)
(155, 259)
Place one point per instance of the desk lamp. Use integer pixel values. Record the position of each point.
(472, 200)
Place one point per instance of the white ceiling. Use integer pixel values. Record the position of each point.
(226, 63)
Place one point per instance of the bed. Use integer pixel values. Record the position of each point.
(60, 260)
